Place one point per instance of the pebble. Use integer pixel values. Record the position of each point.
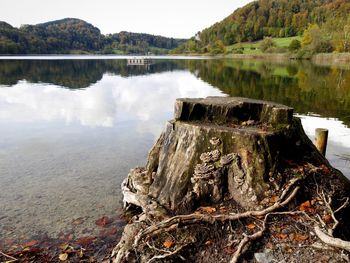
(264, 257)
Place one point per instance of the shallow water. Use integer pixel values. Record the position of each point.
(71, 129)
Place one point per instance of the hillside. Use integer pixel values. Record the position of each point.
(72, 35)
(267, 18)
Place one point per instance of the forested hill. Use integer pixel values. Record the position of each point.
(274, 18)
(72, 35)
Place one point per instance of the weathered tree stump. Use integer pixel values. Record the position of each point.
(218, 149)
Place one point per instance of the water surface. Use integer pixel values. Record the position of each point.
(72, 128)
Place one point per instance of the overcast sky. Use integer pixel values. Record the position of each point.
(175, 18)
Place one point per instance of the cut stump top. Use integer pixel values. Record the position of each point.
(232, 109)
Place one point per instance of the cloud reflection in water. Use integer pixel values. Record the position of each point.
(103, 104)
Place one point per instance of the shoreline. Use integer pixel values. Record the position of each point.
(323, 59)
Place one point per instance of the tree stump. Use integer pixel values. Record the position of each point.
(218, 149)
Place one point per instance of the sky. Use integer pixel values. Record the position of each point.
(171, 18)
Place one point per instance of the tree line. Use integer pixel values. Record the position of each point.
(77, 36)
(268, 18)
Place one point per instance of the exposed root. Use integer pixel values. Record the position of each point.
(289, 192)
(331, 241)
(166, 253)
(245, 242)
(243, 245)
(211, 219)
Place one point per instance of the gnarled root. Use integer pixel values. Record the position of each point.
(286, 196)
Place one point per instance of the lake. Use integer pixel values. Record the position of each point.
(72, 128)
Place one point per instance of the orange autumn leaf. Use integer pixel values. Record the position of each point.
(251, 226)
(274, 199)
(168, 243)
(305, 206)
(208, 209)
(299, 237)
(281, 236)
(327, 218)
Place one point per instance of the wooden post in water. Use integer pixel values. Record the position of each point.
(321, 138)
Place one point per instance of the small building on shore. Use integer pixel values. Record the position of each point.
(139, 61)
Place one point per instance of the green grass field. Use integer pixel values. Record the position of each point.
(252, 48)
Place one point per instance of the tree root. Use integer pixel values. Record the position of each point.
(331, 241)
(166, 253)
(289, 191)
(211, 219)
(194, 218)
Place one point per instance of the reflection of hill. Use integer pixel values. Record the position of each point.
(304, 86)
(72, 74)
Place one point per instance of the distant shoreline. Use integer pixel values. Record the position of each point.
(326, 59)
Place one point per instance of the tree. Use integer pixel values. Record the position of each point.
(266, 44)
(310, 34)
(294, 45)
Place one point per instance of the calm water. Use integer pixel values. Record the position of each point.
(71, 129)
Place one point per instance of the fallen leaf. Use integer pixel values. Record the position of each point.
(103, 221)
(80, 253)
(208, 209)
(63, 256)
(307, 207)
(208, 243)
(281, 236)
(85, 241)
(274, 199)
(327, 218)
(109, 231)
(168, 243)
(251, 226)
(299, 237)
(30, 243)
(304, 206)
